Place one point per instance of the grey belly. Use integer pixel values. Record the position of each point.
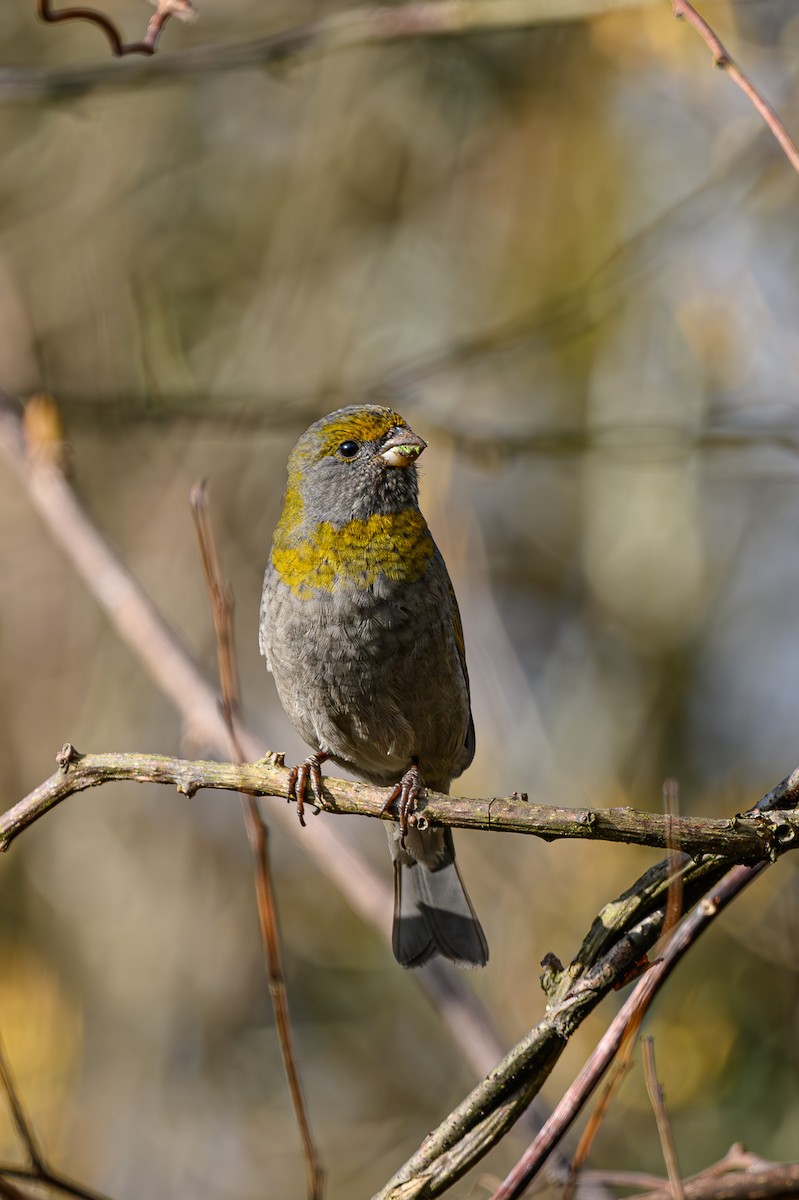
(371, 680)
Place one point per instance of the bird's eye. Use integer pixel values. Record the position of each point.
(348, 449)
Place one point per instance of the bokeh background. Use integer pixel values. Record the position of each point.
(569, 255)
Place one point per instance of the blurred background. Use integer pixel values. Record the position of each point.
(569, 256)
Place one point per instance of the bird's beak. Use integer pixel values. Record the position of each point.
(402, 449)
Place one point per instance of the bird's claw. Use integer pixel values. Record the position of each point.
(299, 777)
(405, 795)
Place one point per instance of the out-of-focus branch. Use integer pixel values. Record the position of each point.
(682, 9)
(38, 1171)
(752, 837)
(367, 26)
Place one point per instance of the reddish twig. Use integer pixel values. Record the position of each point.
(671, 807)
(164, 10)
(683, 10)
(222, 609)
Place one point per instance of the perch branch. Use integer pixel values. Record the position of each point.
(766, 831)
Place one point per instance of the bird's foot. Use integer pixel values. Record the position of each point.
(299, 777)
(405, 796)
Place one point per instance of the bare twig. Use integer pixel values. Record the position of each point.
(258, 835)
(682, 9)
(119, 48)
(54, 1181)
(658, 1102)
(22, 1123)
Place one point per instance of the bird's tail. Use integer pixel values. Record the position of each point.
(432, 911)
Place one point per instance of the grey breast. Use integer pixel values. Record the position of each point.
(372, 675)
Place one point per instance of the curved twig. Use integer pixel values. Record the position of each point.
(119, 48)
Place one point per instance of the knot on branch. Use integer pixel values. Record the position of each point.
(188, 784)
(273, 758)
(777, 834)
(66, 756)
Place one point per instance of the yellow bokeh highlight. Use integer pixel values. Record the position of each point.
(41, 1028)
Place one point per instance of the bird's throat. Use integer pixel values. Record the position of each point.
(397, 546)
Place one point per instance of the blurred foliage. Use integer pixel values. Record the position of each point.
(569, 256)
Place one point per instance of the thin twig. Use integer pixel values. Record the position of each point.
(658, 1101)
(22, 1123)
(55, 1181)
(683, 10)
(38, 1170)
(257, 833)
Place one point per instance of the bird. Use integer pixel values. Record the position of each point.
(361, 631)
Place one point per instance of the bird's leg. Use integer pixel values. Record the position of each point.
(406, 793)
(298, 781)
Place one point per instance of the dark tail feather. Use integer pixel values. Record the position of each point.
(432, 911)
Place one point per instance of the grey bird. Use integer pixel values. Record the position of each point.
(361, 631)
